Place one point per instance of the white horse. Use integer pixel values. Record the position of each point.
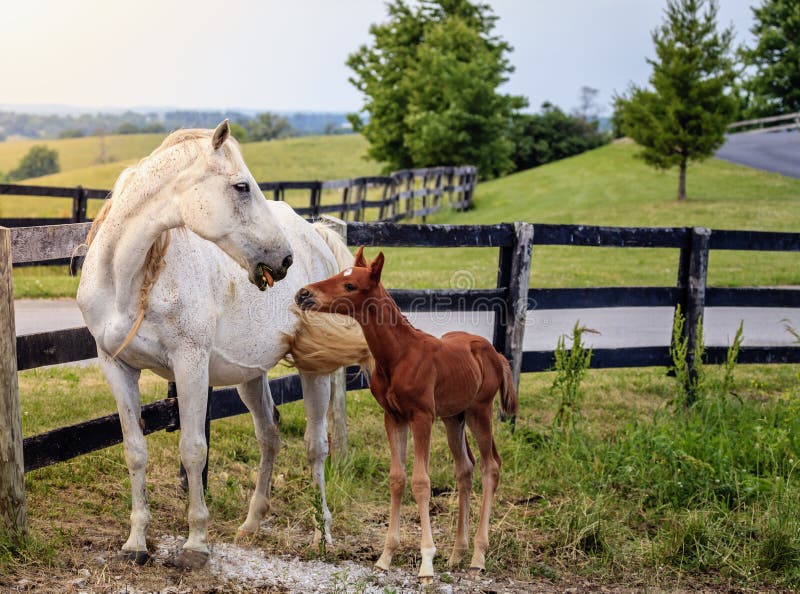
(186, 304)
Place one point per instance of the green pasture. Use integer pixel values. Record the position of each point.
(637, 493)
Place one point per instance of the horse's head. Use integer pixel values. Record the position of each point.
(344, 293)
(219, 199)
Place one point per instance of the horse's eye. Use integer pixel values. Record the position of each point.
(242, 187)
(350, 287)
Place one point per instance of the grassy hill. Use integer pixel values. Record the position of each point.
(81, 153)
(302, 158)
(609, 186)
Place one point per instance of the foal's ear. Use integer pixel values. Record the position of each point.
(360, 261)
(221, 134)
(376, 267)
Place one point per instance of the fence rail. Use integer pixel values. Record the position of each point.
(509, 301)
(406, 194)
(769, 123)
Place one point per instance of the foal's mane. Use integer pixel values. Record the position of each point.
(154, 261)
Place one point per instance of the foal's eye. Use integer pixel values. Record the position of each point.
(350, 287)
(242, 187)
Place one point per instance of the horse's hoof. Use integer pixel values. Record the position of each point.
(476, 571)
(426, 580)
(137, 557)
(190, 559)
(244, 536)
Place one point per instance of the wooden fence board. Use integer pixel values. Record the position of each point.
(597, 297)
(395, 235)
(51, 242)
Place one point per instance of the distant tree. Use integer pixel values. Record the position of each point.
(238, 132)
(684, 116)
(551, 135)
(71, 133)
(588, 103)
(127, 128)
(39, 161)
(430, 79)
(152, 128)
(268, 126)
(774, 85)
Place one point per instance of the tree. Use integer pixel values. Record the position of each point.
(430, 80)
(551, 135)
(39, 161)
(683, 118)
(238, 132)
(268, 126)
(774, 85)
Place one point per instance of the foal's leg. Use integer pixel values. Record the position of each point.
(464, 463)
(421, 488)
(480, 423)
(316, 397)
(398, 442)
(191, 379)
(258, 399)
(124, 382)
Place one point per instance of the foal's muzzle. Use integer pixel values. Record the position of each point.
(304, 299)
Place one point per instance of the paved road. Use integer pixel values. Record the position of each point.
(770, 151)
(618, 327)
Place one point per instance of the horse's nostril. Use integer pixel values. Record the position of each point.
(287, 261)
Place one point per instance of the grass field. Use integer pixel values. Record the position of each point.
(607, 186)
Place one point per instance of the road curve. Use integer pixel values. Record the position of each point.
(778, 152)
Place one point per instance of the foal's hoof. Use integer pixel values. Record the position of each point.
(137, 557)
(476, 572)
(244, 536)
(426, 580)
(189, 559)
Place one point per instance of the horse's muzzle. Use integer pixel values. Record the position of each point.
(304, 299)
(265, 276)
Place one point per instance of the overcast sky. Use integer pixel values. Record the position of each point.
(290, 54)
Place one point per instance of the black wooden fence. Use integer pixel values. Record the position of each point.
(411, 193)
(510, 299)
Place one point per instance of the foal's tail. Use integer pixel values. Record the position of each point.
(508, 393)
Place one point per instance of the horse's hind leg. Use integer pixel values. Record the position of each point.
(191, 379)
(124, 383)
(316, 397)
(258, 399)
(480, 423)
(464, 463)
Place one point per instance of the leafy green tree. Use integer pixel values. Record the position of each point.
(683, 118)
(430, 80)
(774, 85)
(551, 135)
(39, 161)
(268, 126)
(71, 133)
(127, 128)
(238, 132)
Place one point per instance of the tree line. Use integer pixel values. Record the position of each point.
(431, 75)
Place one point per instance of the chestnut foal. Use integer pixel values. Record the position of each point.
(417, 378)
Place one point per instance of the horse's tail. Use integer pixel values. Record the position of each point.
(323, 342)
(509, 401)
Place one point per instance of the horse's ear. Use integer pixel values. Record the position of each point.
(221, 134)
(360, 261)
(376, 267)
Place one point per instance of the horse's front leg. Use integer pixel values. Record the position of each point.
(316, 397)
(191, 379)
(124, 383)
(258, 399)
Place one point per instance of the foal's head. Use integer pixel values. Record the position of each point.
(344, 293)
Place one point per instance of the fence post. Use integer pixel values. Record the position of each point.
(13, 510)
(79, 205)
(512, 275)
(692, 275)
(337, 411)
(172, 392)
(315, 199)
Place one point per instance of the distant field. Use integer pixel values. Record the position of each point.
(303, 158)
(607, 186)
(80, 153)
